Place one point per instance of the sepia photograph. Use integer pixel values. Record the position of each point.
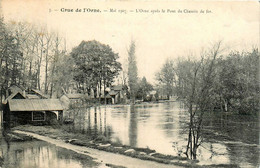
(129, 84)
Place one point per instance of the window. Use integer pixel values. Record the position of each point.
(38, 116)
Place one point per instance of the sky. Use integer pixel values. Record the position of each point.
(158, 36)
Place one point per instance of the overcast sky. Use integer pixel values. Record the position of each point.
(158, 36)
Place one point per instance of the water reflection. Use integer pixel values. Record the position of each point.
(133, 127)
(39, 154)
(162, 127)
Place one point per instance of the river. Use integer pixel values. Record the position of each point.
(227, 139)
(40, 154)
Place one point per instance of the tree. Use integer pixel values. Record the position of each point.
(96, 66)
(10, 59)
(63, 74)
(239, 82)
(144, 88)
(58, 56)
(132, 71)
(166, 78)
(196, 78)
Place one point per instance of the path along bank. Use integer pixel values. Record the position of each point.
(106, 152)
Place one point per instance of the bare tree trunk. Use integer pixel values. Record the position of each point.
(100, 91)
(46, 73)
(48, 40)
(105, 96)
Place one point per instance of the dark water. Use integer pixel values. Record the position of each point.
(39, 154)
(227, 138)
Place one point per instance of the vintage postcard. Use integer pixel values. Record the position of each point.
(137, 84)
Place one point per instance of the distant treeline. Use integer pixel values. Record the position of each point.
(233, 82)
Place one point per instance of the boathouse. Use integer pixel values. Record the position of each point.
(73, 98)
(32, 111)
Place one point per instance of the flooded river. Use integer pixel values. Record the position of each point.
(163, 127)
(227, 139)
(40, 154)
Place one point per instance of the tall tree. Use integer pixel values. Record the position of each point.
(198, 95)
(10, 59)
(96, 66)
(59, 52)
(166, 78)
(132, 71)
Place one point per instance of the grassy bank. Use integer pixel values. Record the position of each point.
(102, 143)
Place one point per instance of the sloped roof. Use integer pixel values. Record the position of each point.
(75, 96)
(31, 96)
(34, 105)
(117, 87)
(12, 96)
(15, 89)
(107, 96)
(112, 93)
(40, 93)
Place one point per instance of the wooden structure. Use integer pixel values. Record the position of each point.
(14, 95)
(108, 99)
(32, 111)
(68, 99)
(36, 94)
(117, 93)
(13, 89)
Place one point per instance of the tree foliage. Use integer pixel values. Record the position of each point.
(166, 78)
(143, 89)
(96, 66)
(132, 71)
(239, 82)
(11, 60)
(29, 55)
(217, 82)
(35, 57)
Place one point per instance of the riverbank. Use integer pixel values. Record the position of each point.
(103, 144)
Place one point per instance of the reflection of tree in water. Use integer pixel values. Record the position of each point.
(100, 120)
(108, 132)
(244, 153)
(167, 119)
(168, 122)
(230, 128)
(95, 121)
(2, 140)
(133, 127)
(144, 114)
(39, 153)
(107, 129)
(88, 121)
(82, 121)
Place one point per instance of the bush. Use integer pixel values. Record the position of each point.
(54, 123)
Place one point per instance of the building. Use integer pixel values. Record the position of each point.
(68, 99)
(118, 94)
(14, 95)
(30, 108)
(13, 89)
(32, 111)
(107, 99)
(36, 94)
